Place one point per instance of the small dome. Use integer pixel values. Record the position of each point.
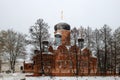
(62, 26)
(45, 42)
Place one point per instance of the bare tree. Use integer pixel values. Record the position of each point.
(89, 44)
(106, 35)
(81, 32)
(97, 47)
(89, 37)
(116, 38)
(39, 32)
(74, 35)
(13, 46)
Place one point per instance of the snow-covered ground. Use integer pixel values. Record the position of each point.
(19, 76)
(12, 76)
(73, 78)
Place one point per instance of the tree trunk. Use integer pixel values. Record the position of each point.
(12, 65)
(105, 60)
(98, 56)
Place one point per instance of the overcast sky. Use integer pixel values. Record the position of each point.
(21, 14)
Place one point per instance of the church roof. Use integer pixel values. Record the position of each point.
(62, 25)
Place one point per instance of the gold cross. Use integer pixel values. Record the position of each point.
(62, 15)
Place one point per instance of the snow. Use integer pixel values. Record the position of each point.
(58, 33)
(47, 53)
(73, 78)
(20, 76)
(12, 76)
(55, 47)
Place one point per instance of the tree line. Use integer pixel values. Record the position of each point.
(104, 44)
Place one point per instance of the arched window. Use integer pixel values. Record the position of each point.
(45, 46)
(57, 39)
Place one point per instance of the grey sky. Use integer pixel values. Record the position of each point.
(21, 14)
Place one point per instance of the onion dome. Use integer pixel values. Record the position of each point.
(45, 42)
(62, 25)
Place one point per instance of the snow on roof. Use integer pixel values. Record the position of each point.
(68, 47)
(93, 54)
(83, 48)
(47, 53)
(58, 33)
(55, 47)
(20, 60)
(28, 61)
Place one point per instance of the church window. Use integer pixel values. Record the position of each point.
(45, 48)
(57, 39)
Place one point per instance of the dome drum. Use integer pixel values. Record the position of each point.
(58, 36)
